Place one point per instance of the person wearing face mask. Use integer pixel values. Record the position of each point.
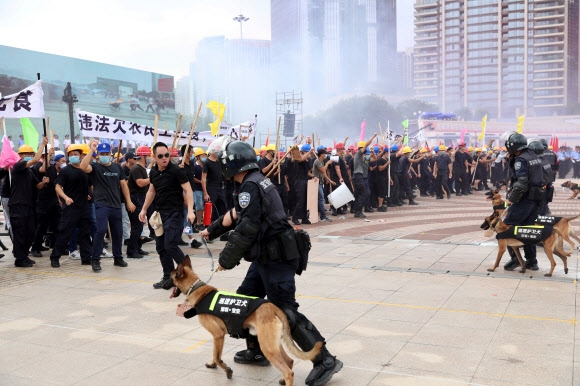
(22, 203)
(199, 157)
(358, 170)
(108, 182)
(73, 189)
(47, 205)
(213, 186)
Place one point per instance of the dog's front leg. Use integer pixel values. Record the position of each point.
(218, 346)
(500, 251)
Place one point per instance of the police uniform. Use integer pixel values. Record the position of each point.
(261, 234)
(526, 194)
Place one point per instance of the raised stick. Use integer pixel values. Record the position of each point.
(177, 132)
(191, 133)
(119, 150)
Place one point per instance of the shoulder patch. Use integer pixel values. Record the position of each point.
(244, 199)
(518, 165)
(265, 183)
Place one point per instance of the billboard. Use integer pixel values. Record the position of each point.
(120, 92)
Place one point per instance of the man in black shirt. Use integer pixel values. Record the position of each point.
(212, 184)
(168, 183)
(197, 188)
(277, 177)
(301, 169)
(108, 181)
(22, 203)
(442, 172)
(461, 172)
(394, 198)
(187, 165)
(72, 187)
(138, 185)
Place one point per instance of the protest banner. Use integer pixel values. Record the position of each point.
(27, 103)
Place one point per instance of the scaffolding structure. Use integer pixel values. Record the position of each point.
(289, 102)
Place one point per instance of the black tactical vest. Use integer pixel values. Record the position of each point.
(535, 167)
(551, 158)
(272, 208)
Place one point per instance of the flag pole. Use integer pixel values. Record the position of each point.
(44, 127)
(389, 150)
(191, 134)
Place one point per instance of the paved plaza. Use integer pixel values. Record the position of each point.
(402, 299)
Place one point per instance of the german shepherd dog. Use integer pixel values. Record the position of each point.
(573, 187)
(552, 244)
(268, 322)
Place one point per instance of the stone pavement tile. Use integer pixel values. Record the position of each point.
(455, 267)
(256, 373)
(528, 370)
(348, 376)
(359, 294)
(547, 328)
(186, 353)
(382, 330)
(63, 337)
(393, 375)
(382, 280)
(542, 310)
(313, 289)
(493, 382)
(418, 299)
(16, 328)
(465, 319)
(539, 296)
(67, 367)
(401, 313)
(134, 372)
(356, 351)
(459, 302)
(12, 380)
(119, 344)
(458, 337)
(412, 262)
(441, 359)
(547, 285)
(330, 323)
(529, 344)
(16, 355)
(218, 379)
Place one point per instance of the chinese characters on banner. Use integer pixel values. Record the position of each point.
(27, 103)
(102, 126)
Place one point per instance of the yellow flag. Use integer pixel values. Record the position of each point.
(218, 109)
(520, 124)
(483, 125)
(214, 126)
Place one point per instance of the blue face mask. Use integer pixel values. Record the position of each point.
(27, 159)
(104, 159)
(258, 157)
(368, 157)
(74, 160)
(192, 159)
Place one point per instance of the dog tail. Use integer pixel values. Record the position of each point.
(573, 218)
(289, 342)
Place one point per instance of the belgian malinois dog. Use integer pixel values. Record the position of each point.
(268, 322)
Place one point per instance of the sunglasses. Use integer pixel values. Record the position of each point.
(161, 156)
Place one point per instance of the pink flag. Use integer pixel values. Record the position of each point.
(462, 139)
(8, 157)
(363, 126)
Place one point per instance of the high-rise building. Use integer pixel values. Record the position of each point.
(235, 72)
(184, 102)
(331, 47)
(505, 57)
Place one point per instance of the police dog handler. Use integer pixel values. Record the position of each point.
(262, 235)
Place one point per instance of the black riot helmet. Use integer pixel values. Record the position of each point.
(544, 143)
(515, 143)
(536, 147)
(237, 157)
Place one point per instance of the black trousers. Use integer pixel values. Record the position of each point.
(136, 225)
(22, 224)
(217, 196)
(405, 183)
(49, 218)
(461, 180)
(360, 192)
(395, 190)
(71, 218)
(281, 189)
(167, 245)
(300, 191)
(443, 182)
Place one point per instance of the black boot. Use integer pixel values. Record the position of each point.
(325, 366)
(252, 355)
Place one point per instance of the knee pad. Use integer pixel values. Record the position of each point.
(291, 316)
(305, 333)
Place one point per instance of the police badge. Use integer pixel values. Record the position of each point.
(244, 199)
(518, 165)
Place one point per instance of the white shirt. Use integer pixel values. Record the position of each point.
(66, 143)
(56, 143)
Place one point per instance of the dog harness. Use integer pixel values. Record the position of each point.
(233, 309)
(547, 220)
(528, 234)
(575, 187)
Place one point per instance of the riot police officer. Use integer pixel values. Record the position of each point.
(262, 235)
(550, 157)
(525, 194)
(536, 146)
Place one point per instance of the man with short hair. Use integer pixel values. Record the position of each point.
(138, 184)
(108, 182)
(190, 171)
(360, 189)
(66, 142)
(213, 186)
(319, 171)
(169, 184)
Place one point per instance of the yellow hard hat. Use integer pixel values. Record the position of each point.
(490, 152)
(361, 144)
(406, 150)
(550, 147)
(25, 149)
(442, 148)
(198, 151)
(496, 148)
(117, 154)
(257, 151)
(76, 147)
(478, 149)
(423, 150)
(470, 148)
(271, 147)
(263, 148)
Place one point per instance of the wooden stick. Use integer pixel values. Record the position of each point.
(155, 126)
(280, 160)
(191, 133)
(277, 154)
(176, 132)
(345, 139)
(47, 130)
(52, 139)
(119, 150)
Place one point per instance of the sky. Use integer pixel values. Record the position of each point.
(151, 35)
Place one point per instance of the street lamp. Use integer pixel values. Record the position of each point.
(240, 19)
(70, 99)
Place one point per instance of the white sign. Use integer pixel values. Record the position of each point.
(244, 130)
(102, 126)
(27, 103)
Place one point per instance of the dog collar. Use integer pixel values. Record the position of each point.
(500, 206)
(198, 283)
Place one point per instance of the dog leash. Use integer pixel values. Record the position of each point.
(213, 271)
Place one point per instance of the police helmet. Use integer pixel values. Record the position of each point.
(536, 147)
(515, 143)
(237, 157)
(544, 143)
